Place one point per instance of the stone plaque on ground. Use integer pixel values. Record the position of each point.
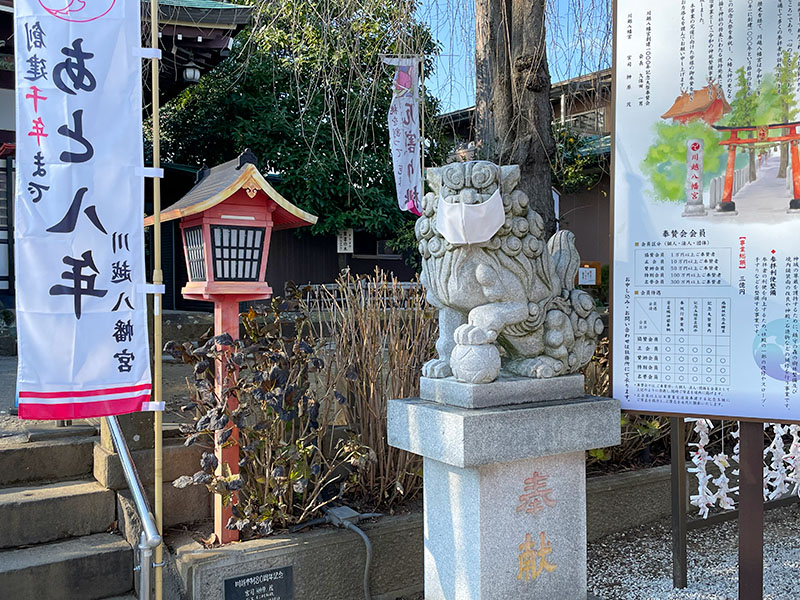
(275, 584)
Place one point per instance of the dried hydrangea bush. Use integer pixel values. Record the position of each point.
(312, 375)
(290, 466)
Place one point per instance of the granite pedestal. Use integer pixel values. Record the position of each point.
(505, 486)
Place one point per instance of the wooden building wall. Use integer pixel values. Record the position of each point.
(301, 258)
(586, 214)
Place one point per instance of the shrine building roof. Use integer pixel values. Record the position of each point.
(698, 102)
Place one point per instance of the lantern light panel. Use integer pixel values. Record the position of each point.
(237, 252)
(195, 253)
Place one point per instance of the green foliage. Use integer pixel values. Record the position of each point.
(665, 163)
(745, 104)
(573, 169)
(405, 243)
(768, 105)
(786, 79)
(306, 90)
(774, 101)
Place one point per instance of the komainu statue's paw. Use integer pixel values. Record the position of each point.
(470, 335)
(541, 367)
(437, 368)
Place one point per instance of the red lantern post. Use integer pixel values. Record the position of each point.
(227, 219)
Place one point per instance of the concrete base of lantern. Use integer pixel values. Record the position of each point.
(505, 493)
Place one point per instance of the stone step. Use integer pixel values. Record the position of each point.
(50, 460)
(43, 432)
(86, 568)
(33, 515)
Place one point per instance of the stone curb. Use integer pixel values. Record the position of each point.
(609, 510)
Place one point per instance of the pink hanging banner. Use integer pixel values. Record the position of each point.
(404, 137)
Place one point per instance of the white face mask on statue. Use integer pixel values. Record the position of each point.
(462, 224)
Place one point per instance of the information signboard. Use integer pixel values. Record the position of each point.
(706, 252)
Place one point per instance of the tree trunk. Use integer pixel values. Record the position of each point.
(753, 172)
(513, 110)
(784, 160)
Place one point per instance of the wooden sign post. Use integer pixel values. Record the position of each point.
(751, 511)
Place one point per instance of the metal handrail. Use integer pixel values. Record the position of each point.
(150, 537)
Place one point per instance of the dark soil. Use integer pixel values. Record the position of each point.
(596, 469)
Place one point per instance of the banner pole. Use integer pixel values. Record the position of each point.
(158, 280)
(422, 120)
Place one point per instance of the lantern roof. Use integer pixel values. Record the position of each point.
(217, 184)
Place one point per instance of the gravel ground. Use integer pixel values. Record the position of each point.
(637, 564)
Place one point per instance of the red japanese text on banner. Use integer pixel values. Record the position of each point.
(79, 241)
(404, 138)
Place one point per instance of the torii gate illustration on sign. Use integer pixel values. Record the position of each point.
(762, 137)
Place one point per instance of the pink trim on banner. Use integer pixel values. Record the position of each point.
(86, 393)
(81, 410)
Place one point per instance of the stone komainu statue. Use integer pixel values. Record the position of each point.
(514, 290)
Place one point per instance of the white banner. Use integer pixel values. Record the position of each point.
(79, 240)
(706, 305)
(404, 138)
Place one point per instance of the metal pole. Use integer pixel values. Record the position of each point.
(10, 186)
(152, 537)
(678, 472)
(158, 280)
(751, 511)
(145, 564)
